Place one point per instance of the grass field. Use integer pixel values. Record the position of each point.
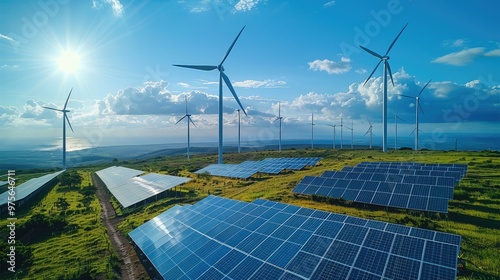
(474, 213)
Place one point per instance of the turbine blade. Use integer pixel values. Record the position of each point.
(52, 109)
(371, 74)
(180, 119)
(198, 67)
(421, 110)
(186, 105)
(400, 118)
(189, 118)
(424, 87)
(407, 96)
(395, 39)
(371, 52)
(67, 99)
(412, 131)
(390, 72)
(231, 47)
(230, 86)
(67, 119)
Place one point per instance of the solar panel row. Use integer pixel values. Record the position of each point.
(462, 168)
(374, 186)
(129, 189)
(246, 169)
(25, 189)
(219, 238)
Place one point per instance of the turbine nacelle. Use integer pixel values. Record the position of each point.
(220, 68)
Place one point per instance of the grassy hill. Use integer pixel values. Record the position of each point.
(82, 248)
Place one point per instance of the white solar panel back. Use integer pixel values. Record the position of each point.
(28, 187)
(129, 188)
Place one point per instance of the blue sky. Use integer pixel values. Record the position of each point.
(117, 55)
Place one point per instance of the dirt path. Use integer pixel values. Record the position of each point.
(131, 267)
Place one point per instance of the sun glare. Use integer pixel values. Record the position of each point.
(69, 62)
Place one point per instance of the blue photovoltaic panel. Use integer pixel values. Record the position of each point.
(425, 187)
(293, 243)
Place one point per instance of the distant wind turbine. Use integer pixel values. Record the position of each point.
(222, 76)
(417, 107)
(189, 120)
(334, 133)
(341, 135)
(396, 118)
(352, 134)
(239, 131)
(312, 130)
(65, 119)
(370, 130)
(279, 118)
(387, 68)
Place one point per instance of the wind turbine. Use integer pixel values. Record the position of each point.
(334, 133)
(370, 130)
(396, 118)
(189, 120)
(222, 76)
(387, 68)
(279, 118)
(417, 107)
(341, 135)
(65, 119)
(352, 134)
(239, 130)
(312, 131)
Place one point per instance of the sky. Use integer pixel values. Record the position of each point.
(117, 56)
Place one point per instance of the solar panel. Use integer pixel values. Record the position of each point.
(395, 184)
(25, 189)
(293, 243)
(129, 188)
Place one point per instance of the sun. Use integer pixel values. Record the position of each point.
(69, 62)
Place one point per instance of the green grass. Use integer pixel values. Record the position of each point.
(84, 249)
(474, 213)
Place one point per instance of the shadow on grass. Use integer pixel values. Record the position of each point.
(477, 221)
(480, 208)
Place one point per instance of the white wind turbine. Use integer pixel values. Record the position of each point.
(341, 134)
(396, 118)
(65, 119)
(387, 68)
(280, 118)
(239, 130)
(334, 133)
(222, 76)
(312, 130)
(189, 120)
(352, 134)
(370, 130)
(417, 107)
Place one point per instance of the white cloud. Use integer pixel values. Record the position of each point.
(466, 56)
(329, 4)
(493, 53)
(185, 85)
(7, 38)
(117, 7)
(257, 84)
(331, 67)
(246, 5)
(9, 67)
(360, 71)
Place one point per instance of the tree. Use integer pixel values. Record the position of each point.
(70, 178)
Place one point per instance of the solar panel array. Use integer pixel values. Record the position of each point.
(247, 169)
(28, 187)
(219, 238)
(426, 187)
(129, 188)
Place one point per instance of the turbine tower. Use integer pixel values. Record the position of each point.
(417, 107)
(279, 118)
(65, 119)
(312, 131)
(370, 130)
(239, 130)
(334, 133)
(352, 134)
(387, 68)
(189, 120)
(396, 118)
(341, 135)
(222, 76)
